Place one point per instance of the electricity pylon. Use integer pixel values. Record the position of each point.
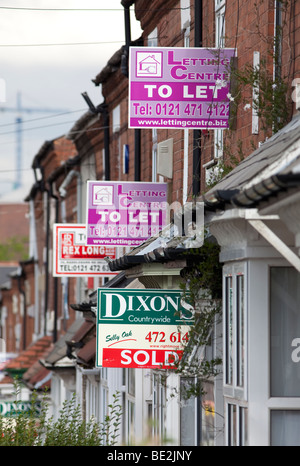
(19, 109)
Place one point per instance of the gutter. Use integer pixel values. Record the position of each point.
(124, 68)
(253, 195)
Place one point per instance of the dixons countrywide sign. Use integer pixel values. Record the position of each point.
(73, 258)
(179, 87)
(13, 408)
(124, 213)
(142, 328)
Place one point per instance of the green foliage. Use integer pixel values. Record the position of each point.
(271, 99)
(203, 289)
(14, 249)
(69, 430)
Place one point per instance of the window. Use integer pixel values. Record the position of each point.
(185, 13)
(285, 428)
(153, 39)
(236, 425)
(208, 428)
(234, 328)
(285, 332)
(187, 416)
(158, 406)
(235, 353)
(240, 330)
(228, 330)
(220, 23)
(116, 117)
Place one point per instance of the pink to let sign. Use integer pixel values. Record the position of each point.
(124, 213)
(179, 87)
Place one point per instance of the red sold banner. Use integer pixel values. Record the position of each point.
(141, 358)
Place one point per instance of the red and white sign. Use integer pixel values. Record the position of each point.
(73, 258)
(142, 328)
(141, 358)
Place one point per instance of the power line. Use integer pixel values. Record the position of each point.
(88, 9)
(40, 118)
(58, 9)
(62, 44)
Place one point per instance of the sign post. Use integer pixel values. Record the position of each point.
(179, 87)
(142, 328)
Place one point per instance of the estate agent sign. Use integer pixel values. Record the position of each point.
(15, 408)
(179, 87)
(73, 258)
(124, 213)
(142, 328)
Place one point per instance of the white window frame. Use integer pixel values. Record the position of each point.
(185, 13)
(220, 23)
(232, 333)
(236, 429)
(116, 117)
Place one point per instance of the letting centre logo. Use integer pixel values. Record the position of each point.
(149, 64)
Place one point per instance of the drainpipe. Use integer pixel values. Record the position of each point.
(44, 189)
(137, 155)
(124, 68)
(22, 292)
(197, 133)
(47, 261)
(125, 54)
(102, 108)
(277, 39)
(55, 303)
(106, 142)
(63, 192)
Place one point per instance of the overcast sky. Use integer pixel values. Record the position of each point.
(50, 77)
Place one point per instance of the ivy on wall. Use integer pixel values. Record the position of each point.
(202, 287)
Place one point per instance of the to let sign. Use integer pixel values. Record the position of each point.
(142, 328)
(179, 87)
(73, 258)
(124, 213)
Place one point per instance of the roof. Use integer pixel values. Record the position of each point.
(27, 358)
(5, 273)
(268, 170)
(167, 246)
(83, 343)
(37, 377)
(113, 63)
(59, 351)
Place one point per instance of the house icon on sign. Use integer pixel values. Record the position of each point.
(103, 195)
(149, 64)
